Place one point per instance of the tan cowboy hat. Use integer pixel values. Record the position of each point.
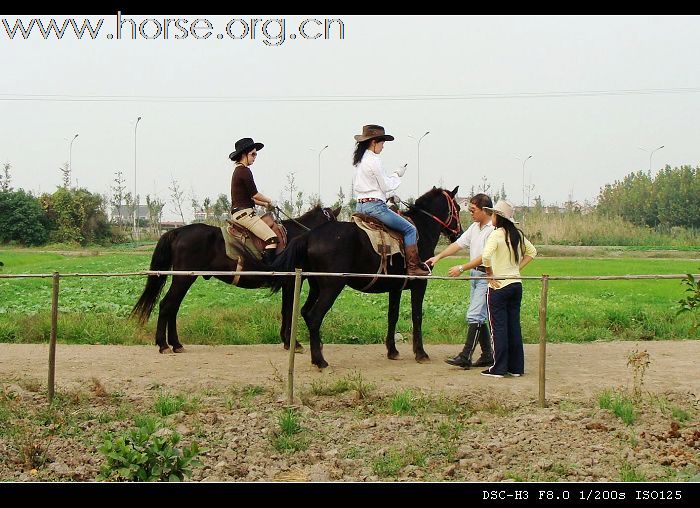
(505, 209)
(372, 132)
(244, 145)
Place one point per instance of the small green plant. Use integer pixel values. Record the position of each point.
(679, 414)
(619, 404)
(289, 437)
(319, 387)
(148, 452)
(402, 403)
(628, 473)
(166, 404)
(361, 387)
(691, 303)
(393, 461)
(639, 361)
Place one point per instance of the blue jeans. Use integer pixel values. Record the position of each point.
(393, 220)
(478, 310)
(504, 317)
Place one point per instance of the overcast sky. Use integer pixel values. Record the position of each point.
(497, 88)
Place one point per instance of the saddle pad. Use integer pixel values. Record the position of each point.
(236, 244)
(384, 241)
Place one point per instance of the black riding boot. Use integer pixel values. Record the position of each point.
(464, 359)
(269, 256)
(486, 358)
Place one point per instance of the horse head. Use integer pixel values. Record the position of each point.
(441, 205)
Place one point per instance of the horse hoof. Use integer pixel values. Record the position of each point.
(393, 355)
(180, 349)
(423, 359)
(164, 351)
(321, 365)
(298, 348)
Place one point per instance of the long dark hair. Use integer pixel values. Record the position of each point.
(360, 149)
(514, 236)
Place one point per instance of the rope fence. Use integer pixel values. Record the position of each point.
(298, 274)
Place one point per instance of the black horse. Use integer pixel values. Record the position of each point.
(200, 247)
(341, 247)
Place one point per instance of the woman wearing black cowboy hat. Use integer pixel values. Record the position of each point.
(245, 195)
(371, 185)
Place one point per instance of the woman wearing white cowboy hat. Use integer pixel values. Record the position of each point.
(245, 195)
(371, 185)
(506, 252)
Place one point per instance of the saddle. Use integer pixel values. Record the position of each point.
(238, 239)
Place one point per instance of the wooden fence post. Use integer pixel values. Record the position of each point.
(543, 336)
(52, 338)
(293, 337)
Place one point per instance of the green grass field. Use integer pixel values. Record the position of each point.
(94, 310)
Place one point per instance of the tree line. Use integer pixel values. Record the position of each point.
(75, 215)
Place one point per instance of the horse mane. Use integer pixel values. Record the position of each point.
(428, 196)
(314, 211)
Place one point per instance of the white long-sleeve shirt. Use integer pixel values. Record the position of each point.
(370, 180)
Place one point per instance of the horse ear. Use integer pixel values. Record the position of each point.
(336, 212)
(454, 192)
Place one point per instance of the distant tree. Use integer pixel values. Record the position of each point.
(221, 207)
(177, 195)
(299, 203)
(117, 200)
(313, 200)
(22, 218)
(291, 187)
(76, 216)
(155, 213)
(194, 203)
(340, 201)
(5, 178)
(206, 204)
(65, 170)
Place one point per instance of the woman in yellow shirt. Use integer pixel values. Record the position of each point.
(506, 252)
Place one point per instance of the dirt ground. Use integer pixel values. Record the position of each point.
(574, 371)
(571, 440)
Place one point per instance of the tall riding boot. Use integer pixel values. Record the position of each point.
(486, 358)
(464, 359)
(269, 256)
(413, 261)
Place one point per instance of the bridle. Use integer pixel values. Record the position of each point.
(452, 216)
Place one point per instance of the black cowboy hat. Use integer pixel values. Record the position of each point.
(373, 132)
(244, 145)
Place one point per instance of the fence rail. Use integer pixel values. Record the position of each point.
(298, 274)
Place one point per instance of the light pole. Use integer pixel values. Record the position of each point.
(418, 169)
(136, 199)
(70, 154)
(524, 161)
(319, 170)
(651, 153)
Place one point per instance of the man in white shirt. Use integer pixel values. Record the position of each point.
(473, 239)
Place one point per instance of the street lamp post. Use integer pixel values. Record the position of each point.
(136, 200)
(651, 153)
(70, 154)
(524, 161)
(418, 168)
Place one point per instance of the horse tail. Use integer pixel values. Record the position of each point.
(292, 256)
(161, 260)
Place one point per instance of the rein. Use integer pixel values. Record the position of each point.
(453, 214)
(326, 212)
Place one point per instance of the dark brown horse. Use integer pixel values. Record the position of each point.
(341, 247)
(200, 247)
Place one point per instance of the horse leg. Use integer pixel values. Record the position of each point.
(314, 317)
(417, 295)
(169, 307)
(394, 300)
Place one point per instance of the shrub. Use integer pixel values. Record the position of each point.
(146, 453)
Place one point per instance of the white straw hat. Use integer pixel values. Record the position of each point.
(505, 209)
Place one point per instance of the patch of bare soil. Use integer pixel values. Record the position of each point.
(365, 418)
